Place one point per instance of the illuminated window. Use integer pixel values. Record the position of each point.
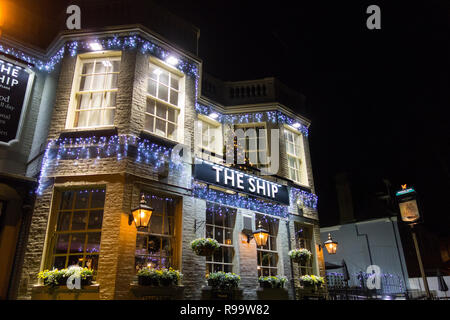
(268, 254)
(96, 92)
(155, 245)
(78, 228)
(294, 152)
(163, 97)
(210, 135)
(219, 226)
(303, 238)
(254, 142)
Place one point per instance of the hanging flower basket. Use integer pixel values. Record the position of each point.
(204, 246)
(300, 255)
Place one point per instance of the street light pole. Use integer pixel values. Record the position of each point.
(419, 259)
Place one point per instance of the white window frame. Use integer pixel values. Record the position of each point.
(299, 156)
(179, 109)
(81, 59)
(214, 127)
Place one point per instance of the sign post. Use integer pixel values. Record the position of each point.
(409, 212)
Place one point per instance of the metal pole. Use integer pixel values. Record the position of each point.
(419, 259)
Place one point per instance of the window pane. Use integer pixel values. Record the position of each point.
(59, 263)
(75, 260)
(171, 115)
(64, 221)
(154, 244)
(156, 224)
(164, 78)
(67, 200)
(110, 99)
(79, 220)
(98, 199)
(82, 199)
(93, 244)
(149, 123)
(171, 131)
(91, 261)
(166, 248)
(151, 89)
(174, 97)
(150, 106)
(95, 219)
(98, 82)
(174, 80)
(154, 72)
(218, 234)
(88, 68)
(163, 93)
(161, 110)
(141, 244)
(209, 232)
(160, 127)
(62, 243)
(77, 242)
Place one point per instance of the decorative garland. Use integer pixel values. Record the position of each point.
(271, 116)
(97, 148)
(202, 191)
(108, 43)
(308, 199)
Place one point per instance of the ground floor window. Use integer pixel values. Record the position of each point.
(303, 238)
(155, 246)
(268, 254)
(219, 225)
(76, 240)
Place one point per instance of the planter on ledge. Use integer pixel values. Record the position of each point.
(61, 292)
(148, 292)
(215, 293)
(269, 293)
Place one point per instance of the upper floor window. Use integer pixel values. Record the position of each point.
(295, 156)
(210, 134)
(163, 102)
(95, 91)
(254, 142)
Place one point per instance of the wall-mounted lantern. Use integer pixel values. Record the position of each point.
(261, 235)
(141, 215)
(331, 245)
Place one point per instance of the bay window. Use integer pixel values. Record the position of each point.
(295, 156)
(95, 89)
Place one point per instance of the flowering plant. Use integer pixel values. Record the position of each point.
(312, 280)
(272, 281)
(300, 255)
(57, 277)
(223, 280)
(158, 277)
(204, 246)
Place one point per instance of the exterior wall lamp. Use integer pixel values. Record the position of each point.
(260, 235)
(141, 215)
(331, 245)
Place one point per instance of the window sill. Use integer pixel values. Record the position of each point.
(158, 139)
(170, 292)
(88, 132)
(41, 292)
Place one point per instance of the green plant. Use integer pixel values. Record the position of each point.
(161, 276)
(312, 280)
(57, 277)
(223, 280)
(204, 246)
(273, 281)
(300, 255)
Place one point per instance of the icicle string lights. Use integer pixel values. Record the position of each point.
(118, 146)
(107, 43)
(308, 199)
(202, 191)
(271, 116)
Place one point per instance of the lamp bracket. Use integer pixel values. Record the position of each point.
(200, 223)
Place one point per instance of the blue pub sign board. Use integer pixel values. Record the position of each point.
(239, 181)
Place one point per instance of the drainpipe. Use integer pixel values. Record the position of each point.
(398, 252)
(292, 267)
(367, 240)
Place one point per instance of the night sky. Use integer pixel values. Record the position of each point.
(379, 99)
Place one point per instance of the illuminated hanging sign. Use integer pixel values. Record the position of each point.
(409, 210)
(15, 86)
(239, 181)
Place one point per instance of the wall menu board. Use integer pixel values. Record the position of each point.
(14, 81)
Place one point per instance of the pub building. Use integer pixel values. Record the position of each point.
(121, 115)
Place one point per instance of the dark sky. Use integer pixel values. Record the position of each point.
(379, 98)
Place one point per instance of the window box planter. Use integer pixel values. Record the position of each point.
(272, 282)
(214, 293)
(87, 292)
(159, 277)
(270, 293)
(157, 292)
